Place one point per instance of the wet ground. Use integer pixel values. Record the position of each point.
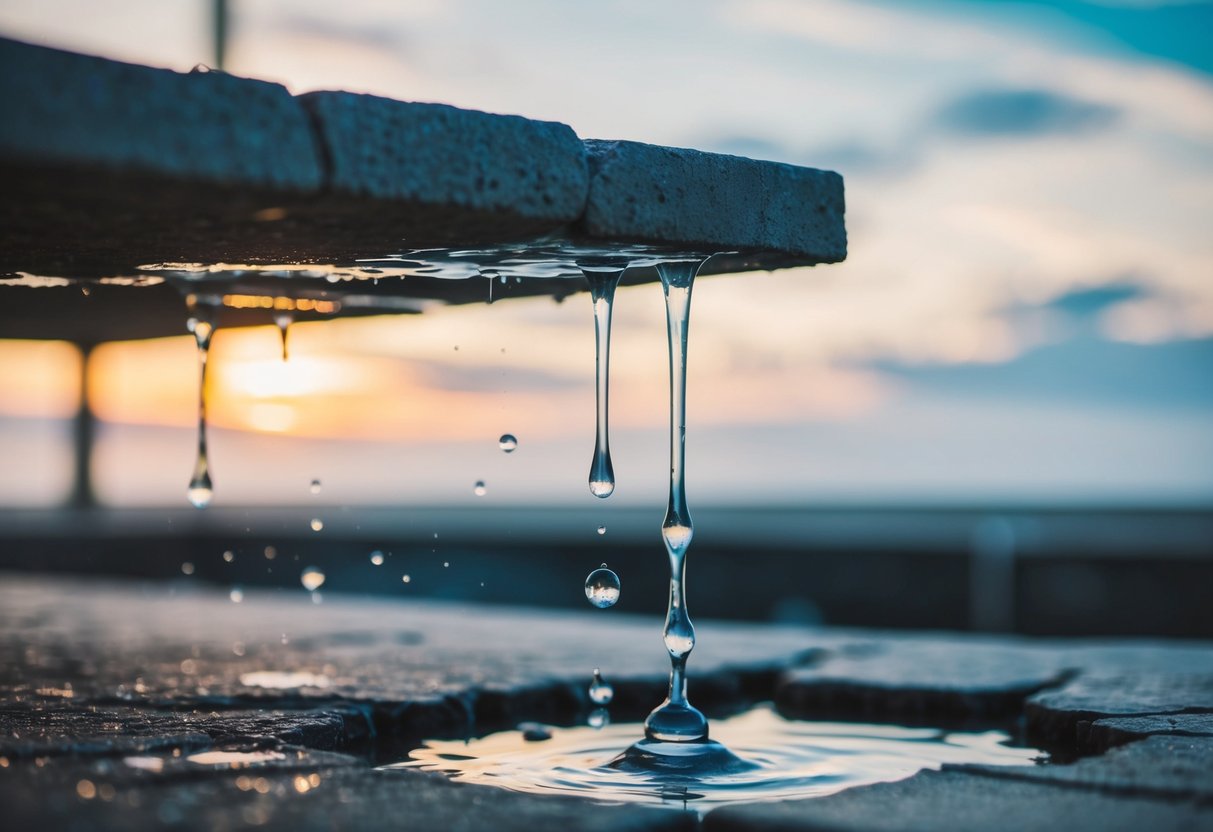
(131, 705)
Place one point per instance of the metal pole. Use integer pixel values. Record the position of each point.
(220, 31)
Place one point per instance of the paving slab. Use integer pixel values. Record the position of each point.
(1068, 713)
(956, 800)
(1170, 768)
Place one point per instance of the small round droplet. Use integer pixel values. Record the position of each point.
(598, 718)
(601, 693)
(446, 564)
(229, 556)
(602, 587)
(270, 553)
(602, 529)
(405, 578)
(236, 595)
(187, 568)
(315, 487)
(377, 558)
(508, 442)
(317, 598)
(312, 579)
(479, 490)
(317, 524)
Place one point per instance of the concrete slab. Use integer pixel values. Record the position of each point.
(707, 201)
(956, 800)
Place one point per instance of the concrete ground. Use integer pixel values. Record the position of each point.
(109, 692)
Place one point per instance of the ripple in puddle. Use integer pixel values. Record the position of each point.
(755, 756)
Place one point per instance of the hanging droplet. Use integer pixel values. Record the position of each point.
(479, 490)
(200, 490)
(377, 558)
(317, 524)
(312, 579)
(602, 281)
(283, 321)
(601, 693)
(508, 442)
(314, 487)
(602, 587)
(602, 529)
(236, 595)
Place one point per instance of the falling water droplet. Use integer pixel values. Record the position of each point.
(602, 529)
(236, 595)
(602, 587)
(314, 487)
(317, 524)
(229, 556)
(599, 718)
(283, 321)
(405, 579)
(270, 553)
(479, 490)
(601, 693)
(200, 489)
(187, 568)
(312, 579)
(602, 280)
(377, 558)
(508, 442)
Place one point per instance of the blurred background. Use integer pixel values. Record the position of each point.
(996, 414)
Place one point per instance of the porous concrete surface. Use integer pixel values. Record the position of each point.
(94, 675)
(83, 112)
(688, 198)
(941, 801)
(438, 156)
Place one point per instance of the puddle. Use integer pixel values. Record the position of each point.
(282, 680)
(235, 759)
(767, 758)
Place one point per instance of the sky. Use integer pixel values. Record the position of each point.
(1025, 314)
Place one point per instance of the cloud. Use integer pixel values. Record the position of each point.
(1023, 113)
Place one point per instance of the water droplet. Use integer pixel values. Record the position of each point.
(405, 578)
(601, 693)
(479, 490)
(599, 718)
(200, 492)
(602, 282)
(270, 553)
(377, 558)
(602, 529)
(508, 442)
(446, 564)
(312, 579)
(237, 595)
(229, 556)
(317, 598)
(317, 524)
(533, 731)
(283, 321)
(187, 568)
(602, 587)
(314, 487)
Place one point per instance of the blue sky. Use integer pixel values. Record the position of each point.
(1027, 310)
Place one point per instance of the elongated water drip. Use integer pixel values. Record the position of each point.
(676, 720)
(283, 321)
(200, 489)
(603, 280)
